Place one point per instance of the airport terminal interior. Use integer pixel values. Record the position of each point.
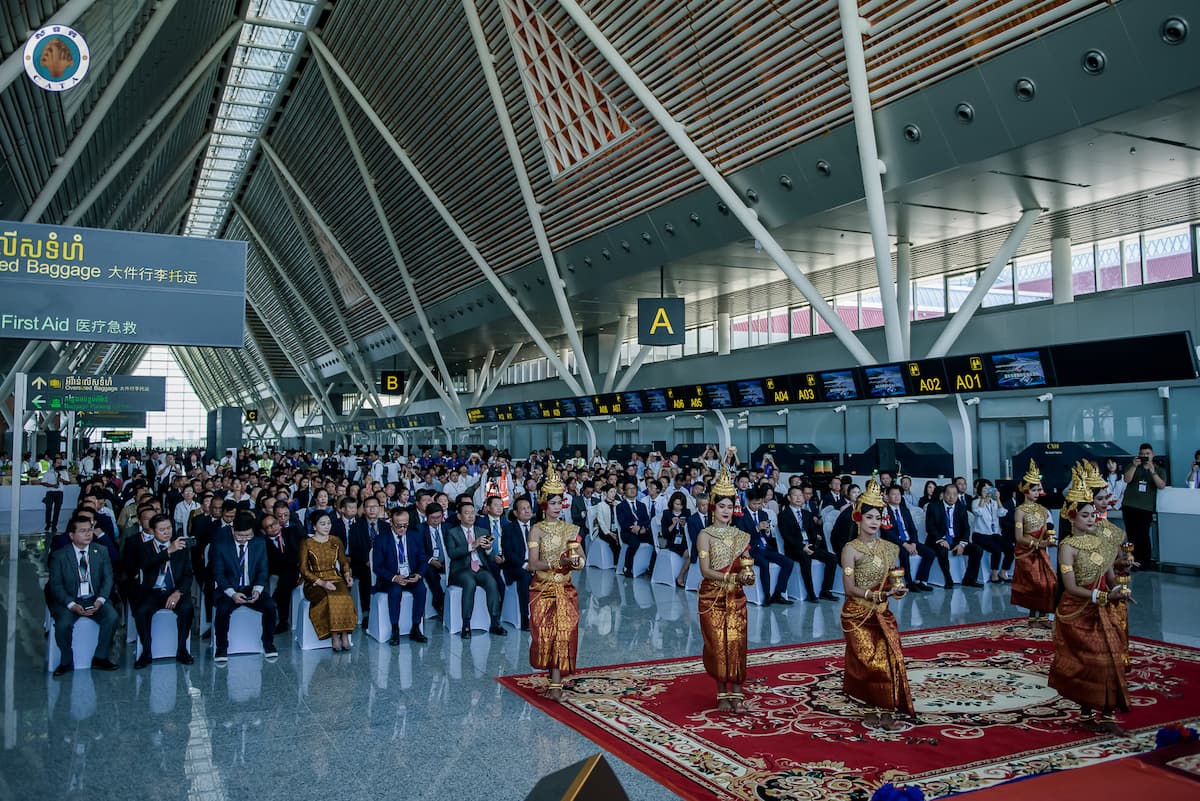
(574, 399)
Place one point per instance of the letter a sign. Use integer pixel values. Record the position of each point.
(660, 321)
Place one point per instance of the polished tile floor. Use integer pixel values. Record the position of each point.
(417, 722)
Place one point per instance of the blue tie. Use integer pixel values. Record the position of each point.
(900, 525)
(950, 525)
(399, 550)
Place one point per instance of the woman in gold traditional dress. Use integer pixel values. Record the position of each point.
(554, 552)
(1115, 547)
(1034, 581)
(1089, 648)
(722, 604)
(875, 672)
(327, 582)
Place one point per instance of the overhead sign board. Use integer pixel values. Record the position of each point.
(661, 321)
(112, 419)
(117, 436)
(1156, 357)
(48, 392)
(401, 422)
(252, 415)
(92, 285)
(391, 382)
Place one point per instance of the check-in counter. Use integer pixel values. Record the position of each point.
(1179, 526)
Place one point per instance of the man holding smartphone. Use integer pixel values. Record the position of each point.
(81, 582)
(1143, 480)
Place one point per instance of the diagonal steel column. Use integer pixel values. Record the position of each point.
(614, 359)
(81, 138)
(498, 373)
(319, 400)
(393, 245)
(299, 296)
(184, 358)
(904, 294)
(326, 282)
(484, 374)
(14, 66)
(872, 171)
(185, 169)
(280, 398)
(502, 291)
(411, 394)
(988, 277)
(147, 165)
(634, 366)
(532, 207)
(745, 215)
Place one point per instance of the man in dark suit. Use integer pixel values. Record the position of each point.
(81, 583)
(362, 535)
(469, 548)
(515, 534)
(491, 519)
(166, 571)
(947, 531)
(581, 504)
(241, 576)
(433, 542)
(756, 522)
(633, 522)
(844, 529)
(697, 523)
(397, 557)
(904, 533)
(803, 542)
(283, 562)
(131, 559)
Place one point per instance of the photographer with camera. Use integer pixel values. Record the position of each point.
(1193, 479)
(985, 530)
(1142, 483)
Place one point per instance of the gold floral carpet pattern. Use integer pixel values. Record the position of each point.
(984, 716)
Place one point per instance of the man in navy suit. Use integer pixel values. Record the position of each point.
(948, 531)
(757, 523)
(433, 541)
(344, 520)
(515, 535)
(804, 542)
(398, 556)
(241, 575)
(904, 533)
(633, 521)
(361, 539)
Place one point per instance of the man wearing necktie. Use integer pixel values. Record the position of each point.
(81, 583)
(166, 577)
(241, 574)
(697, 523)
(948, 531)
(515, 536)
(433, 542)
(804, 542)
(468, 548)
(633, 520)
(362, 536)
(283, 554)
(904, 533)
(756, 522)
(493, 523)
(396, 559)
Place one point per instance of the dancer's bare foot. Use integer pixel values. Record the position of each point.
(724, 704)
(554, 692)
(871, 720)
(889, 723)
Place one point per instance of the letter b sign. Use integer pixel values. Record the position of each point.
(391, 382)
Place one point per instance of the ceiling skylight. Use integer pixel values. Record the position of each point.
(266, 54)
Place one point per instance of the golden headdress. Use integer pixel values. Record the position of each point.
(871, 496)
(1091, 474)
(1076, 494)
(553, 484)
(723, 487)
(1032, 476)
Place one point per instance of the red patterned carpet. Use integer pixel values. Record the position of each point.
(985, 716)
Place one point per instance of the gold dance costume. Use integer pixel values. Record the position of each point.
(722, 607)
(1113, 537)
(1034, 581)
(554, 603)
(875, 672)
(329, 610)
(1089, 646)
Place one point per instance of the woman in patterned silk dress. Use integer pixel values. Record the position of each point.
(1034, 581)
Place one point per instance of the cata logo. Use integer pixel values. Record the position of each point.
(56, 58)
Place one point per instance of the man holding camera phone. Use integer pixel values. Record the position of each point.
(1142, 483)
(166, 583)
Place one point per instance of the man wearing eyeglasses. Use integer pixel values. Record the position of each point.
(397, 560)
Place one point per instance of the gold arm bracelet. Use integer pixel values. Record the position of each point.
(849, 571)
(1067, 568)
(703, 554)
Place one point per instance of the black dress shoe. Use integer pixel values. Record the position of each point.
(974, 584)
(142, 661)
(498, 629)
(63, 669)
(627, 573)
(184, 658)
(925, 586)
(103, 664)
(812, 599)
(416, 636)
(948, 584)
(395, 638)
(828, 596)
(779, 599)
(466, 634)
